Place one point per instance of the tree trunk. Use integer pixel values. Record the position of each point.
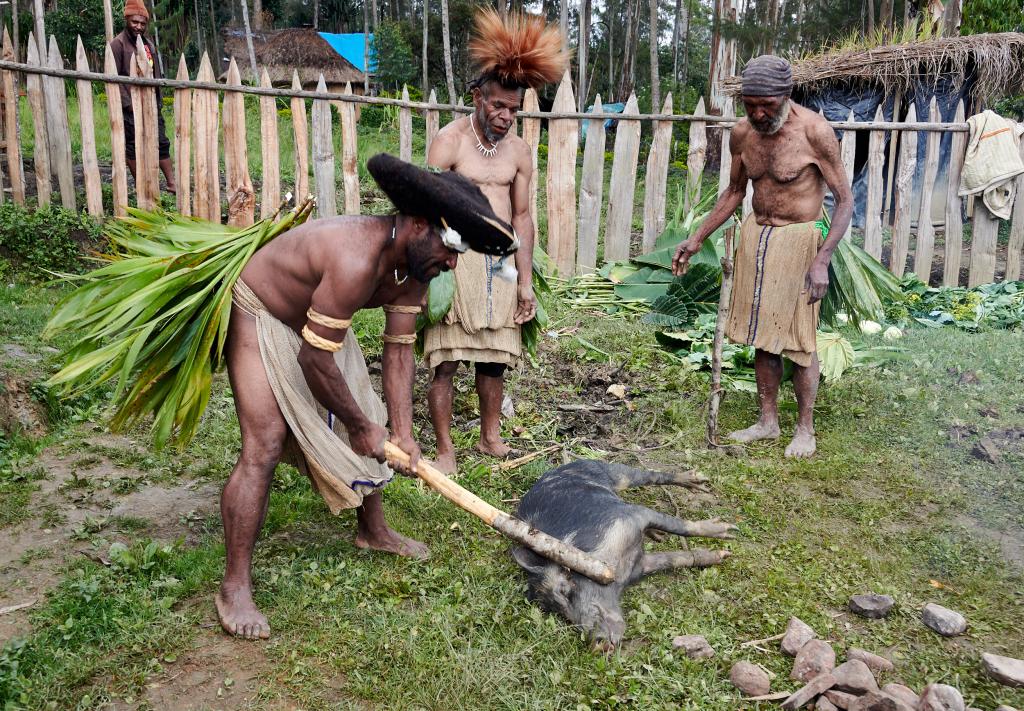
(156, 36)
(248, 40)
(215, 59)
(581, 52)
(723, 56)
(446, 40)
(563, 18)
(375, 14)
(426, 25)
(870, 15)
(366, 46)
(952, 15)
(17, 33)
(40, 29)
(686, 44)
(629, 50)
(257, 14)
(503, 8)
(885, 13)
(611, 46)
(316, 14)
(655, 79)
(675, 44)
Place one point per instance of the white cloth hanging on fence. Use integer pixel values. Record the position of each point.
(993, 161)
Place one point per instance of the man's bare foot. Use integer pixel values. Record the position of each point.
(239, 616)
(445, 462)
(391, 541)
(760, 430)
(802, 446)
(496, 449)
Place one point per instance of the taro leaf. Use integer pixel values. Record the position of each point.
(641, 276)
(835, 355)
(440, 294)
(617, 272)
(641, 292)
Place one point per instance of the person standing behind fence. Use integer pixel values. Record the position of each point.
(136, 20)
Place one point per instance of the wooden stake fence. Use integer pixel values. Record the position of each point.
(573, 235)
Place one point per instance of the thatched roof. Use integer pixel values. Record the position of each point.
(288, 50)
(993, 62)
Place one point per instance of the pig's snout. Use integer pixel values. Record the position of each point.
(604, 627)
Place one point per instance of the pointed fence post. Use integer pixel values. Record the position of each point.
(904, 193)
(350, 153)
(725, 169)
(147, 147)
(90, 164)
(300, 130)
(61, 160)
(241, 194)
(205, 127)
(563, 142)
(183, 141)
(531, 134)
(270, 145)
(618, 233)
(656, 180)
(119, 168)
(323, 155)
(1016, 246)
(15, 170)
(695, 157)
(848, 151)
(432, 119)
(591, 189)
(405, 128)
(41, 144)
(954, 238)
(925, 229)
(984, 231)
(873, 210)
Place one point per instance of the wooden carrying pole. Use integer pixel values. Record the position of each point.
(715, 402)
(521, 532)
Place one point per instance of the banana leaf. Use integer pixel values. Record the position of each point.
(153, 319)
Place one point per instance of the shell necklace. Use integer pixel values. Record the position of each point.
(487, 152)
(394, 229)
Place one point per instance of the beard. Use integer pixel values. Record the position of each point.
(774, 125)
(418, 256)
(492, 136)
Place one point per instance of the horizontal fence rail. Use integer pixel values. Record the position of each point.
(912, 219)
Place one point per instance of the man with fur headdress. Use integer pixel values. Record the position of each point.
(492, 300)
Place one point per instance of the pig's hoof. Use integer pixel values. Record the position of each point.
(716, 528)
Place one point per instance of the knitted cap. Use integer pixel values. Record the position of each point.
(767, 75)
(135, 7)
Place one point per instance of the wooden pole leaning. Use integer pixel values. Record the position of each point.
(509, 526)
(715, 400)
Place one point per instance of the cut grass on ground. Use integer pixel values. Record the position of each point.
(882, 508)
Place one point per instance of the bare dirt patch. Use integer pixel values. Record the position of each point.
(19, 412)
(79, 499)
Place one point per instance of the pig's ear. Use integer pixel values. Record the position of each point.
(529, 561)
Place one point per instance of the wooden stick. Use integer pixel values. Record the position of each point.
(755, 642)
(768, 697)
(619, 222)
(591, 192)
(14, 608)
(405, 128)
(954, 237)
(656, 180)
(241, 194)
(432, 123)
(925, 248)
(695, 158)
(563, 143)
(527, 458)
(59, 132)
(300, 129)
(509, 526)
(41, 146)
(323, 156)
(271, 152)
(715, 401)
(531, 134)
(183, 142)
(15, 171)
(350, 154)
(118, 165)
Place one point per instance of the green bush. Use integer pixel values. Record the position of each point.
(47, 238)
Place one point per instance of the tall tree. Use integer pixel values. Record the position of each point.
(581, 52)
(653, 42)
(675, 42)
(628, 73)
(248, 39)
(316, 14)
(446, 41)
(257, 14)
(723, 55)
(426, 25)
(563, 19)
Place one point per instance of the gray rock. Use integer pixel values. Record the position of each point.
(823, 704)
(987, 451)
(750, 679)
(1005, 670)
(840, 699)
(13, 350)
(871, 605)
(902, 693)
(1004, 707)
(877, 701)
(855, 677)
(815, 687)
(943, 620)
(694, 646)
(875, 662)
(798, 633)
(941, 697)
(814, 658)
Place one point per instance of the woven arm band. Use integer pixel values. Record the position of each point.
(399, 309)
(318, 318)
(405, 338)
(320, 342)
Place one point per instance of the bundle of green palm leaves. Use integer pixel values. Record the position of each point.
(154, 319)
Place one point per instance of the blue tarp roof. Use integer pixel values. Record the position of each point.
(351, 46)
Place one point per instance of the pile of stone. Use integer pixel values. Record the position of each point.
(853, 685)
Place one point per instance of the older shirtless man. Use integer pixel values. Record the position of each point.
(483, 324)
(790, 153)
(301, 387)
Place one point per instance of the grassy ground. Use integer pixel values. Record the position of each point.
(894, 503)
